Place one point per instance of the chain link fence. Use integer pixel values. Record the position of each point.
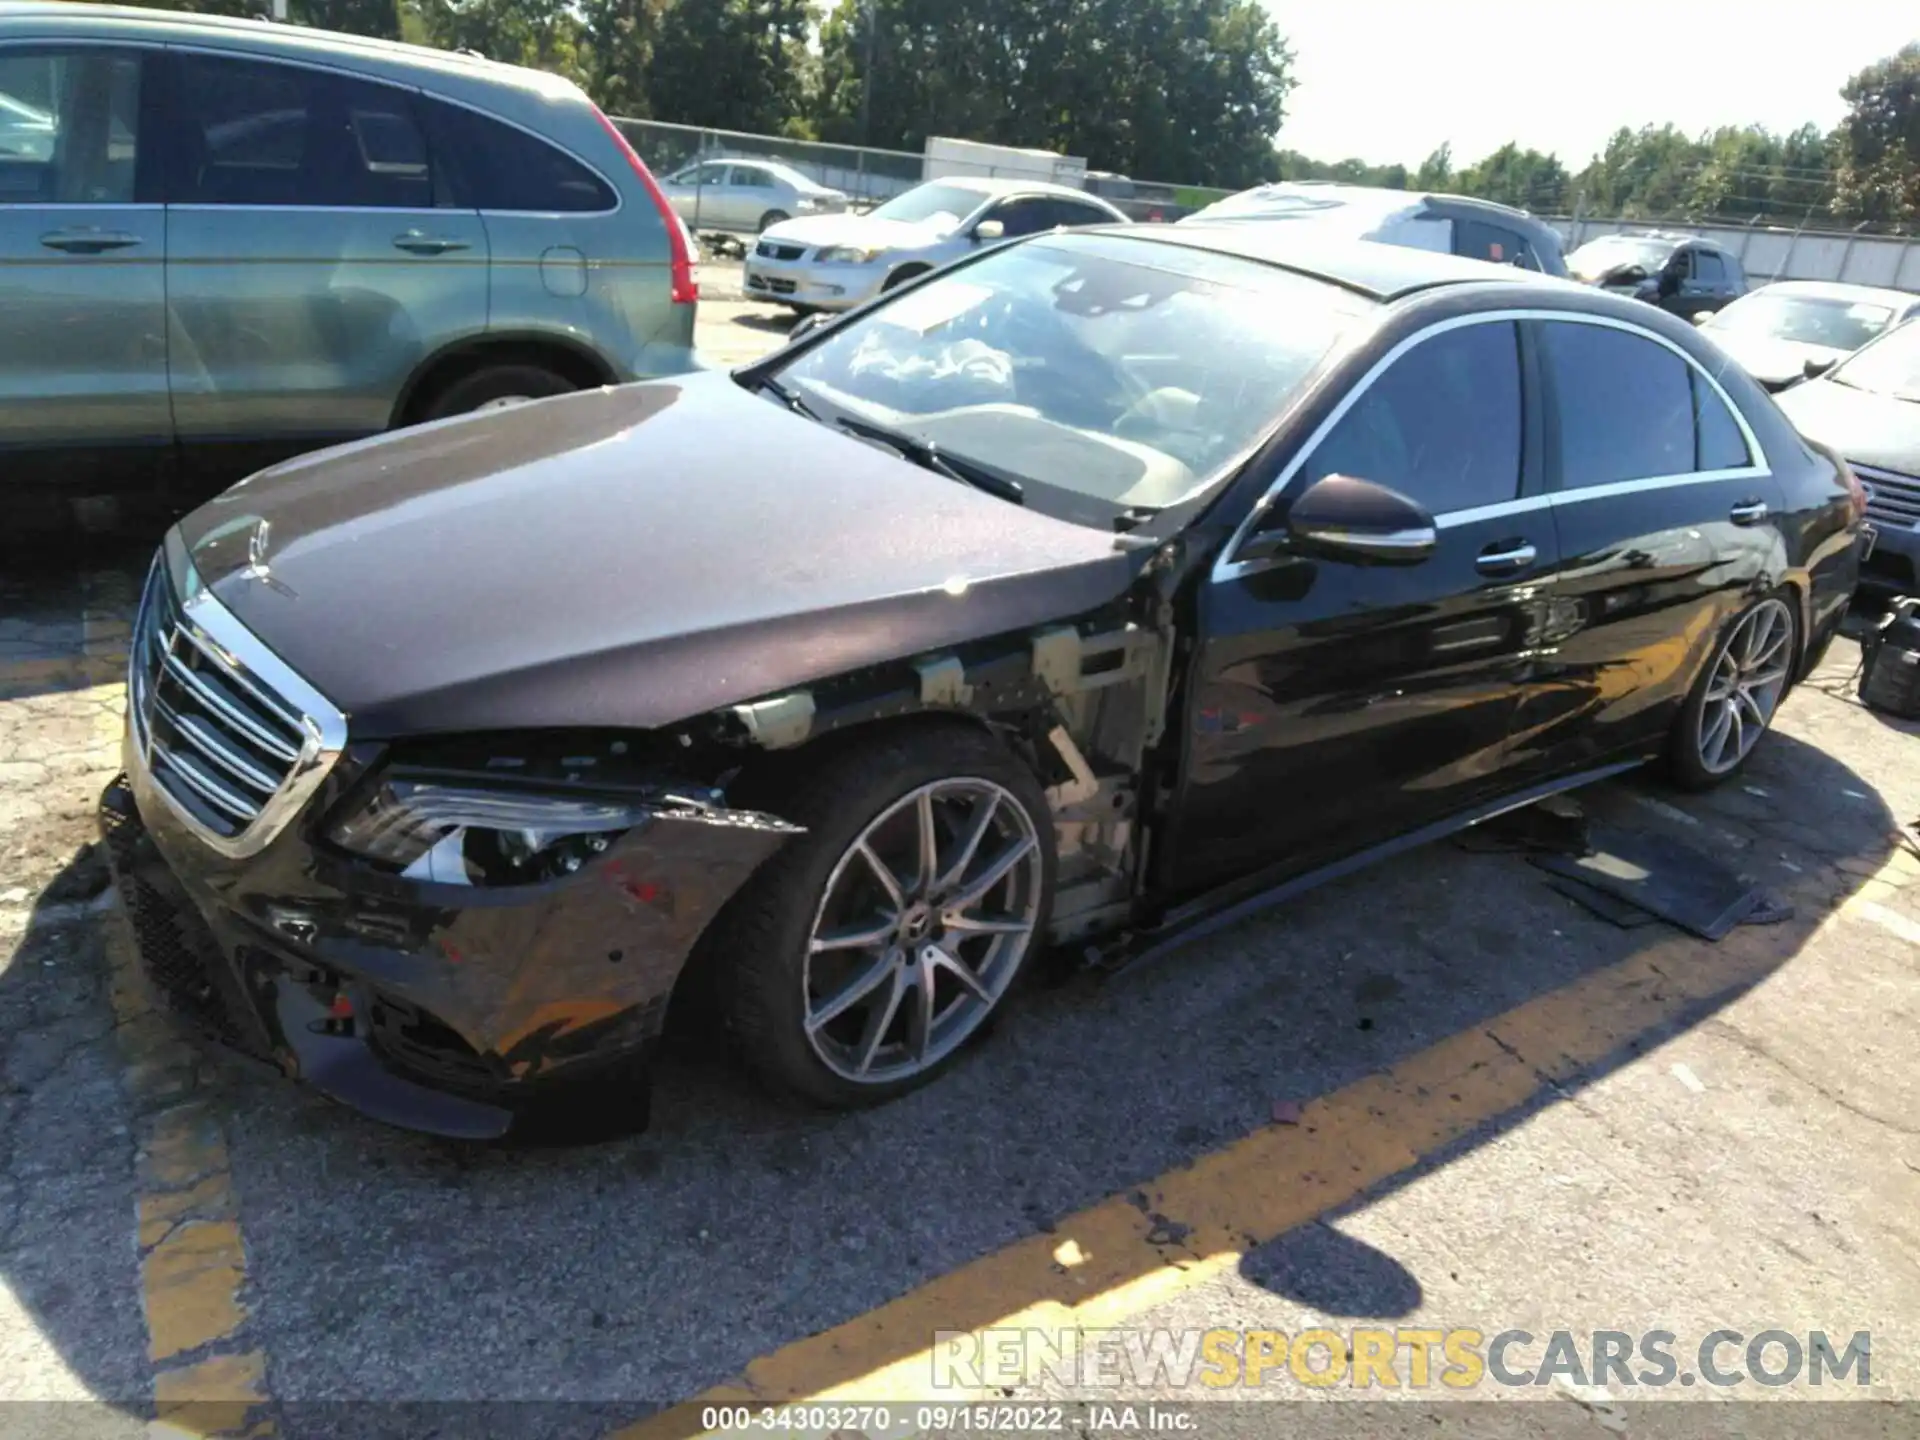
(775, 177)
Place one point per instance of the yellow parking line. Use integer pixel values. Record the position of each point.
(1134, 1250)
(193, 1261)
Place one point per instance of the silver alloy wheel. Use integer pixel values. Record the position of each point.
(501, 402)
(922, 927)
(1749, 676)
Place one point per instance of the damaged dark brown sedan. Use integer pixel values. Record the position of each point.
(1097, 588)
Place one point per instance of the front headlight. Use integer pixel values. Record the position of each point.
(808, 202)
(465, 834)
(850, 254)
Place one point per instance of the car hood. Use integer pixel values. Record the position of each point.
(1769, 359)
(630, 556)
(847, 229)
(1860, 425)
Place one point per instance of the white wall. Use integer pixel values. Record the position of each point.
(1770, 254)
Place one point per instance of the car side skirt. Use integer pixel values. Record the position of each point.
(1235, 902)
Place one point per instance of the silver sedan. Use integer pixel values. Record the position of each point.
(746, 196)
(834, 262)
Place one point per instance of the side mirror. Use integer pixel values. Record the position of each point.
(1346, 518)
(1814, 368)
(990, 230)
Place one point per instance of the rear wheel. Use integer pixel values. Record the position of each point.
(1734, 701)
(495, 387)
(871, 951)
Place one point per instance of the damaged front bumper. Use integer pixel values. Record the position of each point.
(457, 1011)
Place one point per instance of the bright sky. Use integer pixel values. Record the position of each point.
(1389, 80)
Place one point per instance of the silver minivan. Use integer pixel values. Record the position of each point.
(224, 242)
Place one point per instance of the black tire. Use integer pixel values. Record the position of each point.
(759, 945)
(772, 218)
(903, 275)
(1685, 766)
(492, 383)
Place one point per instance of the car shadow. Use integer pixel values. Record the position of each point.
(385, 1266)
(66, 604)
(779, 323)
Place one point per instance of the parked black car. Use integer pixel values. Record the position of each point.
(1682, 274)
(1103, 585)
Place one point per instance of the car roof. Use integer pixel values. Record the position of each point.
(783, 168)
(1840, 290)
(999, 185)
(1375, 199)
(284, 38)
(1673, 239)
(1366, 267)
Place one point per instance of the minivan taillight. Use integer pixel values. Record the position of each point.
(685, 289)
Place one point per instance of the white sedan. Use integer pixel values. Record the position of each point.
(834, 262)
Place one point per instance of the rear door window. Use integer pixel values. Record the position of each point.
(1442, 425)
(1077, 212)
(1622, 406)
(492, 165)
(1708, 269)
(1026, 215)
(256, 133)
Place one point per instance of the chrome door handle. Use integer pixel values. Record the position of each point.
(1748, 512)
(88, 242)
(421, 244)
(1506, 561)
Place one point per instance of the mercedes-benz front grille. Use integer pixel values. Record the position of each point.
(1892, 499)
(214, 723)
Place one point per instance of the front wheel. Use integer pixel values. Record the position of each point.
(773, 218)
(1736, 697)
(871, 951)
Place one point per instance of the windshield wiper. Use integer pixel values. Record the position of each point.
(927, 455)
(789, 398)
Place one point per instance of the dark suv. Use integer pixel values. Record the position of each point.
(1682, 274)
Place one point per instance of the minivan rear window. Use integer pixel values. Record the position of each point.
(494, 166)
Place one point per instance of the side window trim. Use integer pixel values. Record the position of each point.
(1754, 469)
(174, 122)
(414, 93)
(1226, 568)
(150, 171)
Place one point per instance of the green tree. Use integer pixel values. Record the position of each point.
(1526, 179)
(1436, 171)
(619, 37)
(1190, 90)
(543, 34)
(731, 64)
(379, 18)
(1878, 144)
